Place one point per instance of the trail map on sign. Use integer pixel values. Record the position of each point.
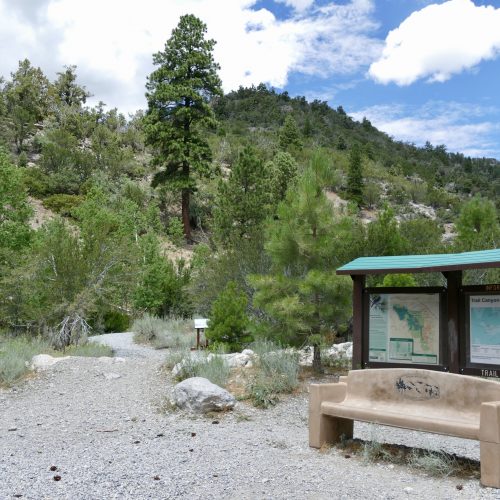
(404, 328)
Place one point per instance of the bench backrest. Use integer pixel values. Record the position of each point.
(421, 387)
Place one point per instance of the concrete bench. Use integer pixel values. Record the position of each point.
(422, 400)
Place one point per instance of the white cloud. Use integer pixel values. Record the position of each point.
(461, 127)
(439, 41)
(299, 5)
(112, 42)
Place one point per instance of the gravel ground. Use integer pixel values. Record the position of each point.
(106, 428)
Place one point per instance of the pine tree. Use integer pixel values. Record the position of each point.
(27, 102)
(478, 226)
(243, 200)
(355, 175)
(179, 94)
(67, 90)
(284, 173)
(289, 135)
(306, 243)
(228, 318)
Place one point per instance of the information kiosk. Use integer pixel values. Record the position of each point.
(453, 328)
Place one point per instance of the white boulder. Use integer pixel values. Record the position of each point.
(334, 354)
(237, 359)
(44, 361)
(198, 394)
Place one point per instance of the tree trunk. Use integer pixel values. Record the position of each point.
(317, 365)
(185, 214)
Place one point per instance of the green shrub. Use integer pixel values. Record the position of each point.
(176, 231)
(175, 356)
(164, 333)
(228, 319)
(22, 159)
(262, 393)
(16, 354)
(374, 451)
(147, 328)
(116, 321)
(178, 333)
(162, 288)
(399, 280)
(276, 373)
(435, 463)
(36, 182)
(90, 350)
(209, 366)
(63, 204)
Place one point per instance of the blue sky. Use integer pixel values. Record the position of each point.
(418, 69)
(461, 111)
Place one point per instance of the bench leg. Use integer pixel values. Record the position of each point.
(489, 437)
(323, 428)
(490, 464)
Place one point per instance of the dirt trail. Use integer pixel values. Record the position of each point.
(104, 425)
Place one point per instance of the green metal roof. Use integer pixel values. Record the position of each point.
(422, 263)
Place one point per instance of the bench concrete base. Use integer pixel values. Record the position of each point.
(425, 400)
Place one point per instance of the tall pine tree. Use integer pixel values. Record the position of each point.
(179, 93)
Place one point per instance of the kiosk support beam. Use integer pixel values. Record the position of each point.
(454, 282)
(359, 281)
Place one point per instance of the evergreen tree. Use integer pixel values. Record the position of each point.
(15, 211)
(289, 135)
(243, 200)
(228, 319)
(306, 243)
(179, 94)
(27, 102)
(284, 173)
(162, 288)
(384, 236)
(67, 90)
(478, 226)
(341, 144)
(355, 175)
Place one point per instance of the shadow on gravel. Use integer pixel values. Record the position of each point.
(434, 463)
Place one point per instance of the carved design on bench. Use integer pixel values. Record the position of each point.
(413, 387)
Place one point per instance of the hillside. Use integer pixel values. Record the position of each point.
(100, 238)
(259, 112)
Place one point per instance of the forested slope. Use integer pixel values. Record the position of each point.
(264, 225)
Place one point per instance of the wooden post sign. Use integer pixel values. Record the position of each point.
(200, 324)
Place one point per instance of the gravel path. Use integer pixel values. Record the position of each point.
(106, 428)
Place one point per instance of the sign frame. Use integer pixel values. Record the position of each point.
(442, 364)
(466, 366)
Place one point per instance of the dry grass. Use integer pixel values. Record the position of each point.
(435, 463)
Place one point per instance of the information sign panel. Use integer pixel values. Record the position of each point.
(404, 328)
(484, 327)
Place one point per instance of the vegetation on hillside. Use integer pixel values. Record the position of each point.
(265, 194)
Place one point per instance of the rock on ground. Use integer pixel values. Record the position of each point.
(44, 361)
(197, 394)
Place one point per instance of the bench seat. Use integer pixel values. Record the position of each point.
(467, 426)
